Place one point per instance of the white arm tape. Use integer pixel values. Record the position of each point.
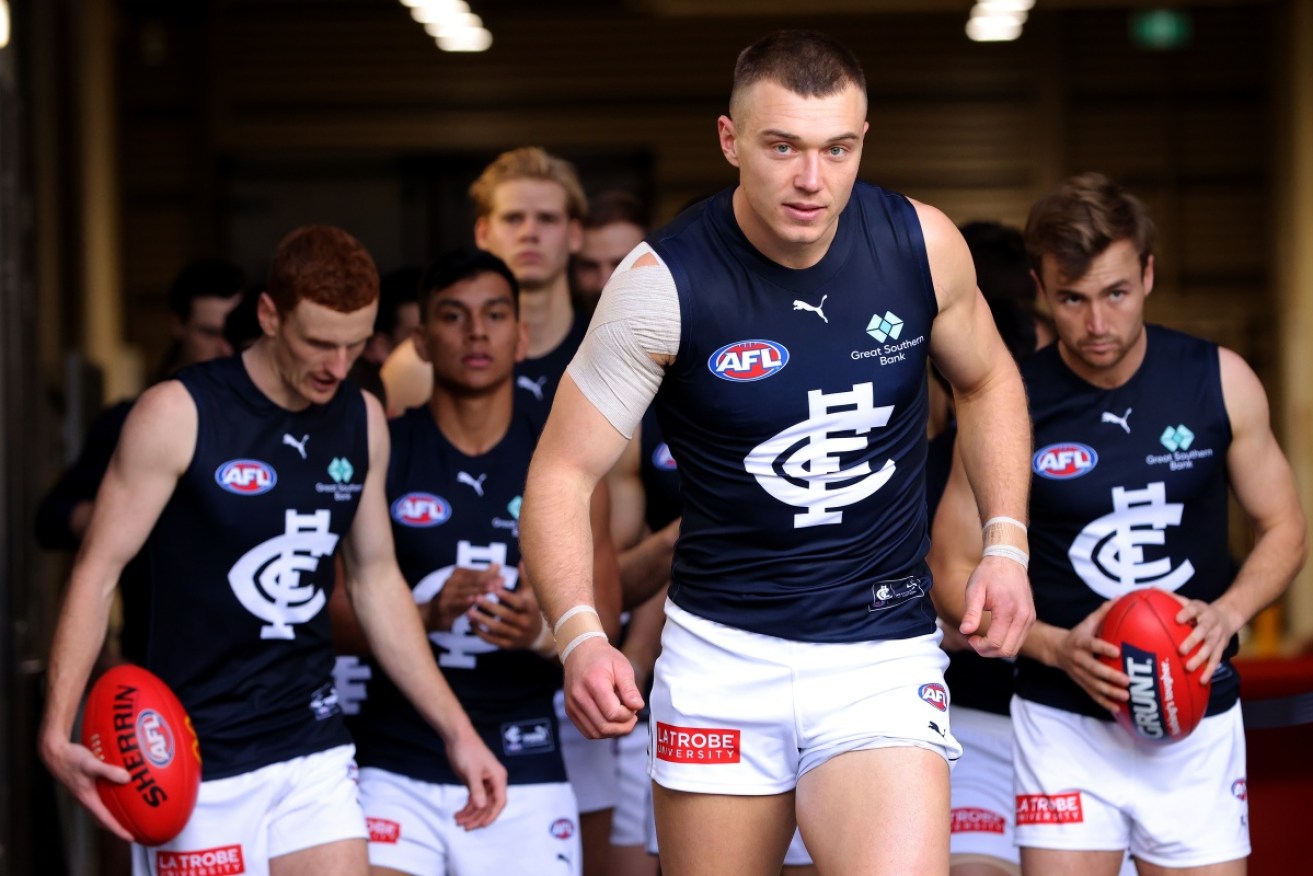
(635, 328)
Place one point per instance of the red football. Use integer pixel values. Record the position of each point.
(1166, 702)
(133, 720)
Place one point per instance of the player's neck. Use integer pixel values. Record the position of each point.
(262, 367)
(473, 422)
(548, 313)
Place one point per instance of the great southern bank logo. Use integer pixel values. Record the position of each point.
(246, 477)
(745, 361)
(882, 328)
(1060, 462)
(421, 510)
(1176, 438)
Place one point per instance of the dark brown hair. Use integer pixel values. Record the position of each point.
(325, 265)
(1081, 218)
(807, 63)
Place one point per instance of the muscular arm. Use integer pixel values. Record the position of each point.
(391, 625)
(1264, 486)
(994, 430)
(158, 440)
(644, 556)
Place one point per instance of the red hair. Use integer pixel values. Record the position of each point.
(325, 265)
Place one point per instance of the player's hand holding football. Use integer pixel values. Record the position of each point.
(511, 620)
(482, 773)
(458, 595)
(1000, 587)
(1077, 653)
(1214, 626)
(77, 768)
(601, 696)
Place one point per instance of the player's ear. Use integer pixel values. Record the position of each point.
(522, 343)
(266, 312)
(728, 139)
(419, 340)
(481, 232)
(575, 236)
(1146, 276)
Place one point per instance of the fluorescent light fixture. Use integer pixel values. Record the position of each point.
(450, 5)
(4, 23)
(434, 13)
(993, 6)
(993, 29)
(453, 24)
(472, 39)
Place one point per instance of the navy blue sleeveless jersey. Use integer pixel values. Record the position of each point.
(241, 569)
(538, 378)
(796, 407)
(1129, 491)
(450, 510)
(659, 474)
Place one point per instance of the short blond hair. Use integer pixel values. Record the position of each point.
(528, 162)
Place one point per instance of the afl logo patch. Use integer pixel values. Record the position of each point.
(745, 361)
(661, 458)
(155, 738)
(935, 695)
(421, 510)
(562, 828)
(1060, 462)
(246, 477)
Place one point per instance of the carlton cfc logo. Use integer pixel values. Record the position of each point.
(246, 477)
(1060, 462)
(421, 510)
(745, 361)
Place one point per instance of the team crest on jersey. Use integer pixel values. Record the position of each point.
(246, 477)
(155, 738)
(275, 580)
(1061, 462)
(935, 694)
(746, 361)
(661, 458)
(421, 510)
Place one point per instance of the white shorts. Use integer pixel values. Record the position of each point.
(412, 828)
(589, 763)
(735, 712)
(1086, 784)
(242, 821)
(982, 798)
(633, 811)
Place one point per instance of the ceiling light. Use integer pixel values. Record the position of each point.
(473, 39)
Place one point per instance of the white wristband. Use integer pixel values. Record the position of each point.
(579, 640)
(571, 612)
(1010, 521)
(1007, 551)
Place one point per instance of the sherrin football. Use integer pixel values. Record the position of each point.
(133, 720)
(1167, 702)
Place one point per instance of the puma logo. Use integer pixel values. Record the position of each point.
(534, 386)
(299, 445)
(803, 305)
(475, 485)
(1120, 421)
